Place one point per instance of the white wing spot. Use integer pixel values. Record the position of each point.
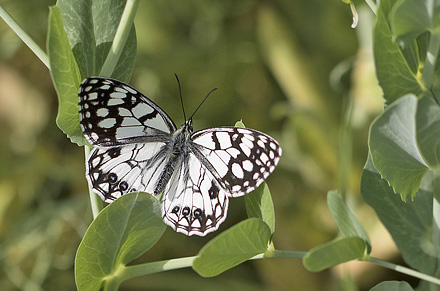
(237, 171)
(102, 112)
(107, 123)
(248, 166)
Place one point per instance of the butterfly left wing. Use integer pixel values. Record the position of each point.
(113, 172)
(239, 158)
(113, 113)
(193, 201)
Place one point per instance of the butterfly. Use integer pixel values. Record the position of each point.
(137, 147)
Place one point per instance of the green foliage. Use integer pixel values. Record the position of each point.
(347, 223)
(234, 246)
(394, 149)
(334, 253)
(403, 140)
(121, 232)
(410, 224)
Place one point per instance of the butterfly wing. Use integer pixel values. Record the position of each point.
(115, 171)
(130, 133)
(193, 201)
(113, 113)
(239, 158)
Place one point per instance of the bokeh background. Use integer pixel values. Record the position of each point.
(293, 69)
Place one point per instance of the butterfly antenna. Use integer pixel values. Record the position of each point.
(180, 94)
(202, 102)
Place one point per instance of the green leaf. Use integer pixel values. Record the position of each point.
(409, 223)
(259, 204)
(394, 149)
(345, 219)
(91, 27)
(392, 286)
(65, 76)
(410, 18)
(428, 131)
(233, 247)
(396, 67)
(123, 231)
(334, 253)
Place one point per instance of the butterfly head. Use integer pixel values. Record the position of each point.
(187, 126)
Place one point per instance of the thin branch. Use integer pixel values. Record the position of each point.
(24, 36)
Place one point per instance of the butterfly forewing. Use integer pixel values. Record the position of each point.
(139, 148)
(113, 113)
(240, 158)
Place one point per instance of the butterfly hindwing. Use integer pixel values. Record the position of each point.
(193, 201)
(240, 158)
(115, 171)
(113, 113)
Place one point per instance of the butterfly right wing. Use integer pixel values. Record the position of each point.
(113, 113)
(193, 200)
(116, 171)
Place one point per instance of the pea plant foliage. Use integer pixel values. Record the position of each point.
(399, 180)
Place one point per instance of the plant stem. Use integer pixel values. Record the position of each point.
(95, 201)
(436, 210)
(403, 270)
(372, 5)
(431, 59)
(24, 36)
(120, 38)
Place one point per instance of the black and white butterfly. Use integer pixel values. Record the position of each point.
(137, 147)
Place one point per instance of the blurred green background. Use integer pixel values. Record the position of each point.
(293, 69)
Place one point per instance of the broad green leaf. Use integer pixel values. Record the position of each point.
(91, 27)
(409, 223)
(121, 232)
(259, 204)
(394, 149)
(233, 247)
(65, 77)
(334, 253)
(428, 131)
(410, 18)
(345, 219)
(396, 67)
(392, 286)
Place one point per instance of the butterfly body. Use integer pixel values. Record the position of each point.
(137, 147)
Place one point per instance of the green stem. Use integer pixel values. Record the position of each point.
(95, 201)
(131, 272)
(431, 59)
(120, 39)
(24, 36)
(403, 270)
(372, 6)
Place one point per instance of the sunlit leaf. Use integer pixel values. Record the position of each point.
(394, 148)
(409, 223)
(347, 223)
(334, 253)
(396, 67)
(259, 204)
(121, 232)
(233, 247)
(65, 77)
